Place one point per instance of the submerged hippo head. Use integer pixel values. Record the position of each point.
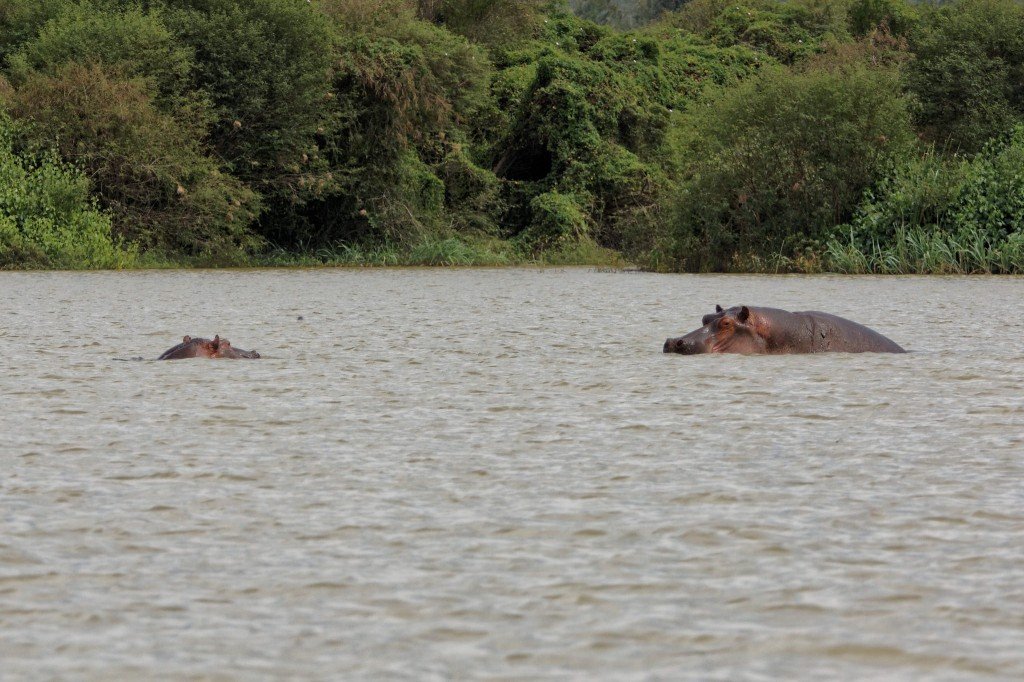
(205, 348)
(724, 331)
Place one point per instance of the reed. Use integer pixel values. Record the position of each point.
(916, 250)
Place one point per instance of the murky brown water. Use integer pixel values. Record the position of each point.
(497, 474)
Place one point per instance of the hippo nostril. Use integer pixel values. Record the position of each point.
(682, 346)
(676, 345)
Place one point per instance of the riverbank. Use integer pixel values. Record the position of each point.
(916, 253)
(446, 252)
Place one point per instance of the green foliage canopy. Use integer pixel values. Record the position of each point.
(782, 158)
(720, 135)
(969, 72)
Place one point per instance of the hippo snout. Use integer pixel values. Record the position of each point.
(686, 345)
(679, 345)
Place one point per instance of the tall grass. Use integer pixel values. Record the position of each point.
(441, 251)
(920, 251)
(940, 214)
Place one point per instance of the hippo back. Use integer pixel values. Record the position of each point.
(186, 349)
(831, 333)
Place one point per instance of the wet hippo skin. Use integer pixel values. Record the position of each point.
(206, 348)
(750, 330)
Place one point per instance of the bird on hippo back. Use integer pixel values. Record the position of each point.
(750, 331)
(206, 348)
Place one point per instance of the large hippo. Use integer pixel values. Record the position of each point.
(205, 348)
(749, 330)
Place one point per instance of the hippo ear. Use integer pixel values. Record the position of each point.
(744, 314)
(718, 308)
(186, 339)
(216, 341)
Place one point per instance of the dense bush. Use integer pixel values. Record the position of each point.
(779, 160)
(494, 22)
(266, 67)
(721, 135)
(591, 124)
(936, 214)
(556, 220)
(146, 166)
(969, 72)
(20, 20)
(137, 41)
(47, 218)
(898, 17)
(786, 31)
(623, 13)
(407, 100)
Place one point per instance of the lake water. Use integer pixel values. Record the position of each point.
(497, 474)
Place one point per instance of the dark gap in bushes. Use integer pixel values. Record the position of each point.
(529, 164)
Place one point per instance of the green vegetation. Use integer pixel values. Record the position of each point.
(757, 184)
(806, 135)
(941, 216)
(47, 218)
(623, 13)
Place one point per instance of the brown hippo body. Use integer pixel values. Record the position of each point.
(205, 348)
(750, 330)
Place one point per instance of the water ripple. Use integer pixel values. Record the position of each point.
(497, 474)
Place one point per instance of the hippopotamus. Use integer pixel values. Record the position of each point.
(750, 330)
(205, 348)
